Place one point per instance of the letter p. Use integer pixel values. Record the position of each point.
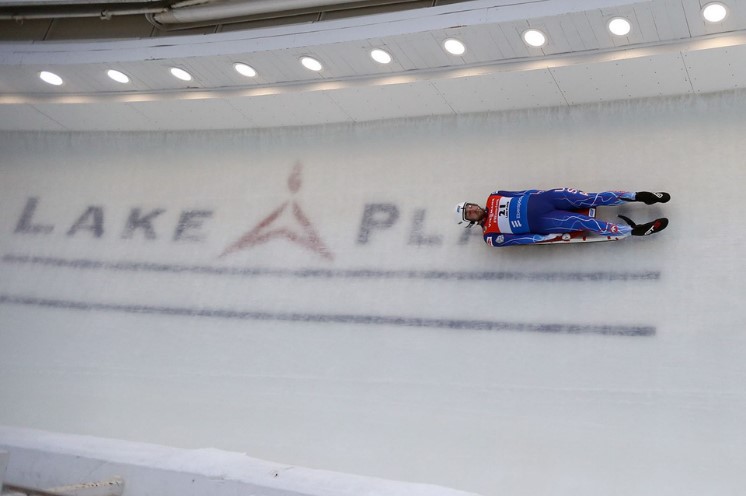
(376, 216)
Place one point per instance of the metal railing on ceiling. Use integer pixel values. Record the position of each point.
(186, 14)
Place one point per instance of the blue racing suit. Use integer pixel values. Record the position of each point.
(533, 216)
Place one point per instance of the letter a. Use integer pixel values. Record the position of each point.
(95, 225)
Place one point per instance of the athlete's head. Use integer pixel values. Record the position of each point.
(468, 214)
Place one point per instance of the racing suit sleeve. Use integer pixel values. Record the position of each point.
(515, 193)
(498, 240)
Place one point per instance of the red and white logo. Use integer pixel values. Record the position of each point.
(274, 226)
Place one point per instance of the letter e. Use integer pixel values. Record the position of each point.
(191, 220)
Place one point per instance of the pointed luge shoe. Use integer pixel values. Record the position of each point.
(649, 198)
(648, 228)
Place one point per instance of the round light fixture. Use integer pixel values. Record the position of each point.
(714, 12)
(50, 78)
(244, 70)
(534, 38)
(117, 76)
(311, 64)
(454, 46)
(181, 74)
(619, 26)
(380, 56)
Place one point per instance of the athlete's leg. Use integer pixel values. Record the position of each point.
(562, 221)
(572, 199)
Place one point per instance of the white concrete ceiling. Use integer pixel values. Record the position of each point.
(671, 50)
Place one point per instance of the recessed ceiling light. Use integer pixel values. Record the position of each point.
(619, 26)
(50, 77)
(117, 76)
(311, 64)
(380, 56)
(714, 12)
(534, 38)
(244, 70)
(454, 46)
(181, 74)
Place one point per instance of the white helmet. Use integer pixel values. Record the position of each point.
(461, 215)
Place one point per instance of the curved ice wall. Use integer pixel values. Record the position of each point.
(303, 295)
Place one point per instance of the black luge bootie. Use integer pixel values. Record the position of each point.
(648, 228)
(649, 198)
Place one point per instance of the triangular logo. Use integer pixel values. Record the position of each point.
(289, 213)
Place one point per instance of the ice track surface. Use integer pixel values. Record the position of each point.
(304, 296)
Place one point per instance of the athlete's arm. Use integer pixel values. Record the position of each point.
(498, 240)
(515, 193)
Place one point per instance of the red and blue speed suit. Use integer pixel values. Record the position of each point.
(533, 216)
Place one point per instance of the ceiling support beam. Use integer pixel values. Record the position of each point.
(187, 12)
